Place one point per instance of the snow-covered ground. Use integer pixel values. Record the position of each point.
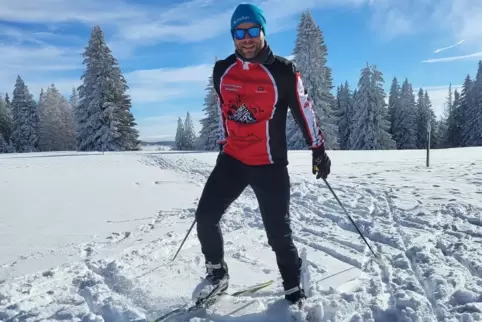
(90, 237)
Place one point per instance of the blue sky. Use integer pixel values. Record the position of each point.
(166, 48)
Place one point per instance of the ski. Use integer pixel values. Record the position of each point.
(211, 299)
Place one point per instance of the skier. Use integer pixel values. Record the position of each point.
(255, 88)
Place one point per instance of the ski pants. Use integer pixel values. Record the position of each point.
(271, 185)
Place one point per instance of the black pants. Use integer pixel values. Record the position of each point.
(271, 185)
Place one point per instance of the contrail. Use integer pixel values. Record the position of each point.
(445, 48)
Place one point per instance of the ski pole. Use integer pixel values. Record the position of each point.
(349, 217)
(188, 232)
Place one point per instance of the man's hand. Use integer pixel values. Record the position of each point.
(321, 163)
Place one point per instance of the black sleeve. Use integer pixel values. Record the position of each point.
(223, 133)
(302, 110)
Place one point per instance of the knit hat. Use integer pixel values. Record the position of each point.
(248, 13)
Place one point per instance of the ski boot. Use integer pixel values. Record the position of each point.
(295, 295)
(217, 275)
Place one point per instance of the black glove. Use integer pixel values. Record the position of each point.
(321, 163)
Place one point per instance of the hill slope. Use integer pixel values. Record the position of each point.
(88, 237)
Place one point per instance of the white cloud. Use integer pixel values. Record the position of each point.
(85, 11)
(452, 58)
(156, 85)
(436, 51)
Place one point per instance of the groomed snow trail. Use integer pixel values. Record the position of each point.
(431, 243)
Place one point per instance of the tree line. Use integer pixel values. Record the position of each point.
(96, 117)
(359, 117)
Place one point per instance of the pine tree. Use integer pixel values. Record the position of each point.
(404, 119)
(210, 132)
(25, 118)
(6, 145)
(5, 120)
(189, 135)
(393, 102)
(473, 113)
(466, 101)
(433, 121)
(129, 134)
(179, 140)
(345, 114)
(104, 119)
(49, 120)
(369, 125)
(68, 129)
(310, 57)
(425, 116)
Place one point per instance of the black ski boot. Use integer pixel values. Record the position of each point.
(217, 275)
(295, 295)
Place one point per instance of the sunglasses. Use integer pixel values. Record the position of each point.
(253, 32)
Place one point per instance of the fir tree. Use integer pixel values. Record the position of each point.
(369, 125)
(393, 102)
(210, 125)
(6, 145)
(25, 118)
(466, 103)
(179, 139)
(434, 138)
(189, 135)
(404, 120)
(473, 116)
(103, 117)
(5, 120)
(425, 116)
(310, 57)
(345, 114)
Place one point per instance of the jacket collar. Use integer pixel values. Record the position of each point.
(265, 56)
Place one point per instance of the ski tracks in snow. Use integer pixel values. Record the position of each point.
(433, 270)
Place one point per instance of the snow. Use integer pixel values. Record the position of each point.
(91, 237)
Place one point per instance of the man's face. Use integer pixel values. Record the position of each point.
(249, 46)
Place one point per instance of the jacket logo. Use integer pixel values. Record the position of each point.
(242, 115)
(232, 87)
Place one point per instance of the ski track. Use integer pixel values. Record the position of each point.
(434, 272)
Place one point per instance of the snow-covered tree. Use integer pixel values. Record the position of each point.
(466, 103)
(310, 57)
(472, 133)
(404, 119)
(434, 138)
(104, 119)
(369, 124)
(5, 120)
(6, 144)
(425, 116)
(393, 102)
(128, 126)
(49, 120)
(25, 118)
(56, 126)
(210, 129)
(189, 133)
(345, 114)
(179, 139)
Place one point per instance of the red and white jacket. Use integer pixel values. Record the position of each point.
(253, 101)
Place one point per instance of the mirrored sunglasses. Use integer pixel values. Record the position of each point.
(253, 32)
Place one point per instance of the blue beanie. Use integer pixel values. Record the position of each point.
(248, 13)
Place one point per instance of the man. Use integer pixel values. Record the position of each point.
(255, 88)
